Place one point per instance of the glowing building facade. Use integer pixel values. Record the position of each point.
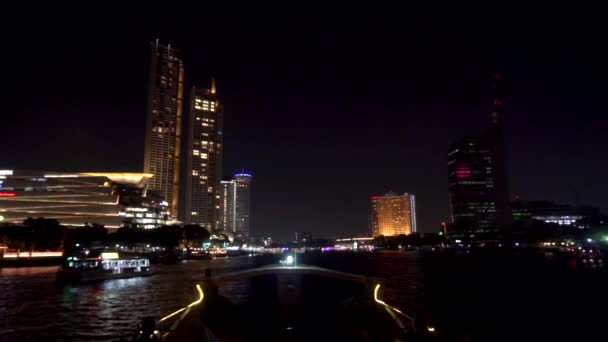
(205, 138)
(76, 199)
(393, 214)
(242, 203)
(163, 142)
(471, 184)
(235, 204)
(228, 206)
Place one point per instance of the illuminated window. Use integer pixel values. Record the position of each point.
(205, 134)
(210, 189)
(205, 124)
(195, 172)
(204, 142)
(196, 152)
(198, 118)
(194, 213)
(204, 155)
(196, 106)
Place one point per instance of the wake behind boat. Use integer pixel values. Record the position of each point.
(88, 266)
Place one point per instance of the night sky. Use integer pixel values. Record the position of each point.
(325, 112)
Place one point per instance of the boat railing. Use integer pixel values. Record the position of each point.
(167, 324)
(394, 312)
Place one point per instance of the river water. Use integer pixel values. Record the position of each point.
(472, 298)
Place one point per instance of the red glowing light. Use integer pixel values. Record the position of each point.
(374, 198)
(497, 102)
(7, 194)
(463, 171)
(516, 196)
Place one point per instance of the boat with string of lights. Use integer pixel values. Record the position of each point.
(94, 265)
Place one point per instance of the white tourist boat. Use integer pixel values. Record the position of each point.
(89, 267)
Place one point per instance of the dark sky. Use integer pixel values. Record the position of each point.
(325, 111)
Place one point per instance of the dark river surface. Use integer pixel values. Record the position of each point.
(480, 296)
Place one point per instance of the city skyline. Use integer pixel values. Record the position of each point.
(321, 117)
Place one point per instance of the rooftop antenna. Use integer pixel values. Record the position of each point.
(213, 90)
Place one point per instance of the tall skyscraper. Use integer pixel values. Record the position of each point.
(494, 135)
(477, 176)
(228, 206)
(164, 124)
(242, 204)
(393, 214)
(205, 138)
(471, 184)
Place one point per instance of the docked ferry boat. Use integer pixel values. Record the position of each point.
(92, 266)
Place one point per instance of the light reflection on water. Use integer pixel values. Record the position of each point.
(32, 307)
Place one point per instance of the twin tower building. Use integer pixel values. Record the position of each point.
(184, 152)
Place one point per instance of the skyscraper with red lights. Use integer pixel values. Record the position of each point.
(477, 176)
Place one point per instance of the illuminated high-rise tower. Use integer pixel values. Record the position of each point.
(494, 136)
(235, 202)
(164, 123)
(477, 176)
(393, 214)
(205, 138)
(242, 204)
(228, 206)
(471, 185)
